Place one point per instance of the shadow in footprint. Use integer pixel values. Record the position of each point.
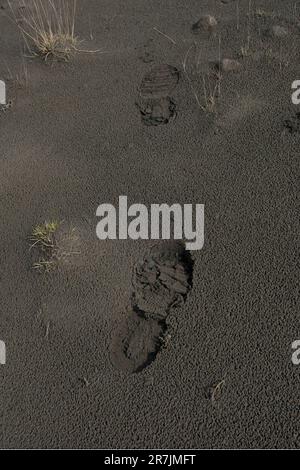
(155, 105)
(293, 124)
(161, 282)
(137, 342)
(156, 112)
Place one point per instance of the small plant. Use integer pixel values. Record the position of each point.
(262, 13)
(22, 79)
(43, 238)
(245, 51)
(210, 95)
(54, 244)
(211, 85)
(48, 27)
(19, 77)
(276, 57)
(246, 48)
(44, 235)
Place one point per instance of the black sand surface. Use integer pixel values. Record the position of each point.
(80, 135)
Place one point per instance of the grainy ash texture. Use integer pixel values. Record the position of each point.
(77, 137)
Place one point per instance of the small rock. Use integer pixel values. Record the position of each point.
(230, 65)
(206, 23)
(280, 31)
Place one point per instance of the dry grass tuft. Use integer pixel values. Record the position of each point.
(262, 13)
(43, 238)
(211, 85)
(47, 27)
(54, 244)
(44, 235)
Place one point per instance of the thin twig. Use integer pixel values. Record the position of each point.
(238, 15)
(217, 389)
(184, 64)
(165, 35)
(47, 330)
(219, 74)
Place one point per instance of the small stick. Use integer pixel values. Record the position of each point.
(47, 330)
(90, 27)
(204, 91)
(280, 57)
(189, 79)
(165, 35)
(219, 76)
(217, 390)
(85, 381)
(249, 25)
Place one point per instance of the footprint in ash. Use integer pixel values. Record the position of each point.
(137, 342)
(155, 104)
(161, 282)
